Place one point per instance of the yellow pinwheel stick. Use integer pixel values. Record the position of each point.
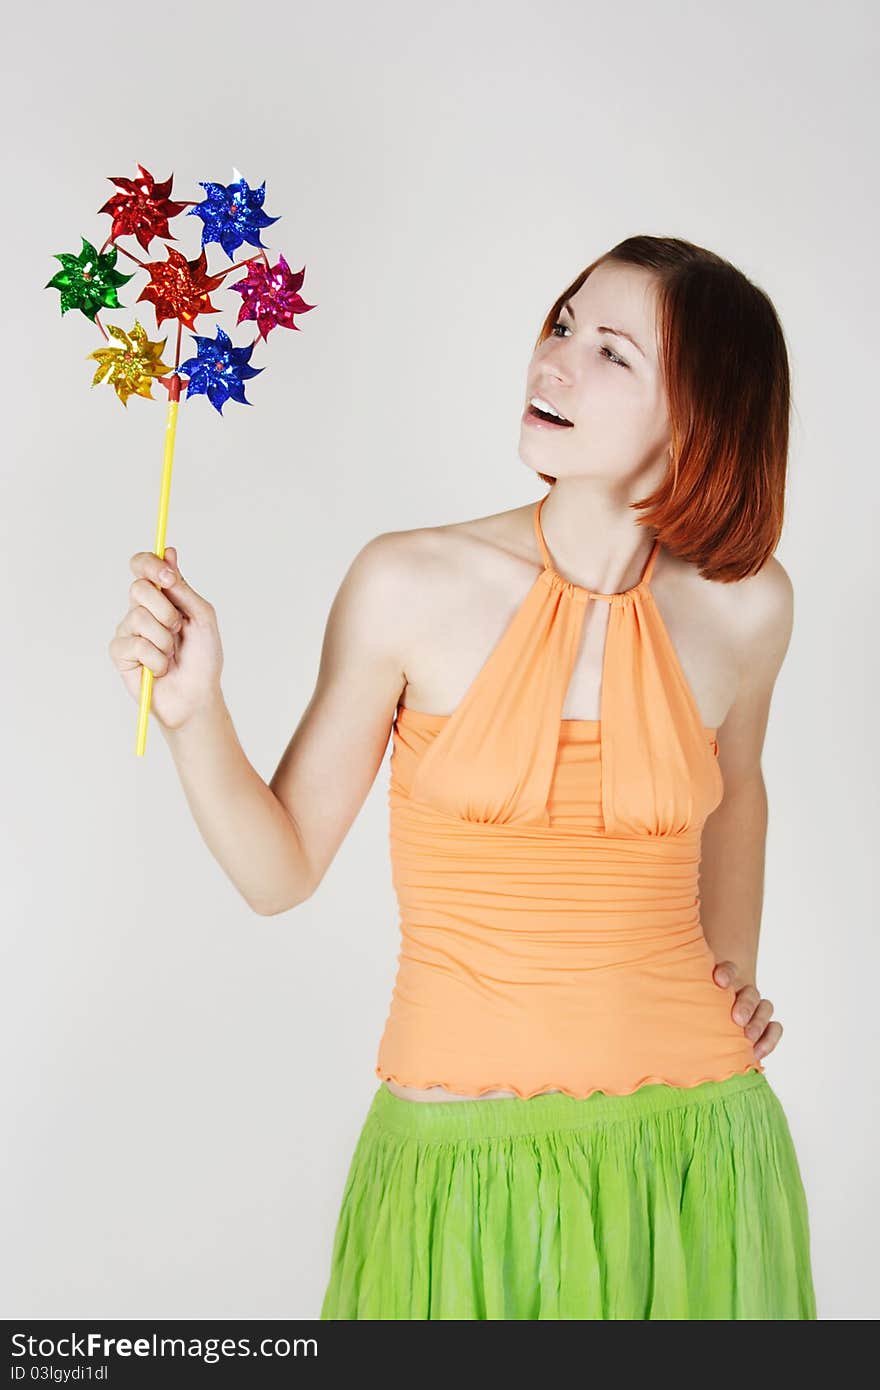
(159, 548)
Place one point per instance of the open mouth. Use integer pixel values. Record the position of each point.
(548, 419)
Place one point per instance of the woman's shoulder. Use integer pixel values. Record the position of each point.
(475, 550)
(748, 622)
(766, 615)
(758, 608)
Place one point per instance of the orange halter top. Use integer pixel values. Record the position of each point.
(547, 869)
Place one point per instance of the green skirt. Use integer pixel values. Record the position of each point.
(670, 1202)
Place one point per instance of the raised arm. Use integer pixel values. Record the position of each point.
(275, 841)
(331, 761)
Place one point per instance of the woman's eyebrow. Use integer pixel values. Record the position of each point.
(615, 332)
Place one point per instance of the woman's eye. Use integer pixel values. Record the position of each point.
(612, 356)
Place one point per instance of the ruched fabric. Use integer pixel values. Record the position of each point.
(547, 869)
(663, 1204)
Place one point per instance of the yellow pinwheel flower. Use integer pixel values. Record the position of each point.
(131, 368)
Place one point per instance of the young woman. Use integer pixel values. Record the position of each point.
(572, 1119)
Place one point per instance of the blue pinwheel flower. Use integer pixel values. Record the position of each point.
(232, 214)
(219, 370)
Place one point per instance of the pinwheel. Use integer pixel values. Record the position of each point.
(180, 290)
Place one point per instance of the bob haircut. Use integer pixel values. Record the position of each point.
(723, 356)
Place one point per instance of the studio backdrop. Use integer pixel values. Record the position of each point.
(184, 1079)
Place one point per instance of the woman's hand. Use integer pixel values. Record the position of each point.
(749, 1009)
(173, 631)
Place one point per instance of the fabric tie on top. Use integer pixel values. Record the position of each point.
(547, 869)
(494, 759)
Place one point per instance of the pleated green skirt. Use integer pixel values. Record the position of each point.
(670, 1202)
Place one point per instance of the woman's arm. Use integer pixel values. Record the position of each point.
(244, 826)
(276, 841)
(734, 836)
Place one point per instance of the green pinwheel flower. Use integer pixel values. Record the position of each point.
(88, 281)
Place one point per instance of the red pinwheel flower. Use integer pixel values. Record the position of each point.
(142, 209)
(180, 289)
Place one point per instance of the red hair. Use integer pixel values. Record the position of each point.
(724, 360)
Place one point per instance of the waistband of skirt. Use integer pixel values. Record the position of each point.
(548, 1111)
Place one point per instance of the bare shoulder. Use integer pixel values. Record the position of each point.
(758, 612)
(750, 625)
(434, 599)
(440, 563)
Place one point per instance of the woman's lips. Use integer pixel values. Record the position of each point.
(530, 418)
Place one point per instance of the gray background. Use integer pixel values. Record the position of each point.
(184, 1082)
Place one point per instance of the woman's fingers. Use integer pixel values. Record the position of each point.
(759, 1020)
(131, 649)
(141, 622)
(750, 1010)
(768, 1039)
(165, 575)
(725, 973)
(144, 564)
(747, 1001)
(144, 594)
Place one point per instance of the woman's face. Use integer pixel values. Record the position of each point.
(609, 387)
